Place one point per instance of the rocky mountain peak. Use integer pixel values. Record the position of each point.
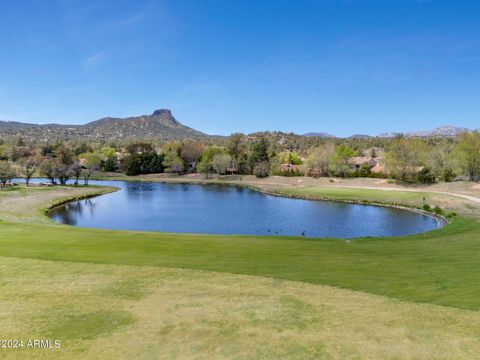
(162, 112)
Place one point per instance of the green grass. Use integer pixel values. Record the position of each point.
(413, 199)
(177, 313)
(138, 294)
(438, 267)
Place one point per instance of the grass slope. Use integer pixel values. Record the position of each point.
(438, 267)
(138, 312)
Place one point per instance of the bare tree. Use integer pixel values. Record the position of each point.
(320, 159)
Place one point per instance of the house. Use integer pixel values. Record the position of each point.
(378, 169)
(357, 162)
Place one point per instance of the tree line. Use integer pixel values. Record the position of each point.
(262, 154)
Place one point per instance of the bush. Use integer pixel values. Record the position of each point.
(110, 164)
(437, 210)
(451, 214)
(146, 163)
(448, 175)
(427, 207)
(425, 176)
(132, 165)
(261, 169)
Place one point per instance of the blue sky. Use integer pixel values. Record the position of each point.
(223, 66)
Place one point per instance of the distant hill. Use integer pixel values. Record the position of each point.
(319, 134)
(360, 136)
(160, 125)
(442, 131)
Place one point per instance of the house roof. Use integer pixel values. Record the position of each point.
(360, 160)
(377, 169)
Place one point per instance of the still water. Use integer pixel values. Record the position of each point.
(212, 209)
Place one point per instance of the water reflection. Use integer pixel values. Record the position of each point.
(71, 212)
(217, 209)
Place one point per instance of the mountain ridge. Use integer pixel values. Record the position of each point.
(160, 125)
(163, 126)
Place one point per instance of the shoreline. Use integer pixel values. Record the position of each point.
(442, 221)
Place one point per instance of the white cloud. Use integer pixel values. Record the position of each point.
(93, 60)
(121, 23)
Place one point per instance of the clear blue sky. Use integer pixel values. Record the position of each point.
(223, 66)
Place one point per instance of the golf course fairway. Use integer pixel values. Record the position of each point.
(119, 294)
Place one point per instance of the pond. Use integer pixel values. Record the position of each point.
(217, 209)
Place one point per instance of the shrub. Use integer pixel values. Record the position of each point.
(425, 176)
(451, 214)
(448, 175)
(427, 207)
(110, 164)
(132, 165)
(261, 169)
(437, 210)
(146, 163)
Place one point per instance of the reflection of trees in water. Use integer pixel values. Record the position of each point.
(69, 213)
(139, 190)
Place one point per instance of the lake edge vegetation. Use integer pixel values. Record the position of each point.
(402, 159)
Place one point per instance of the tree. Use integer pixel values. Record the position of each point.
(6, 173)
(15, 153)
(259, 153)
(260, 150)
(91, 161)
(110, 164)
(262, 169)
(289, 157)
(236, 146)
(144, 163)
(107, 152)
(29, 166)
(62, 172)
(76, 170)
(190, 153)
(448, 174)
(131, 165)
(468, 154)
(64, 156)
(81, 148)
(205, 165)
(221, 163)
(320, 159)
(426, 176)
(173, 163)
(59, 165)
(405, 157)
(49, 149)
(138, 148)
(152, 163)
(440, 159)
(47, 169)
(341, 158)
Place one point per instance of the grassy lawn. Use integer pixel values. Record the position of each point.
(99, 290)
(139, 312)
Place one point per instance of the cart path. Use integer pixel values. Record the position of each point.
(463, 196)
